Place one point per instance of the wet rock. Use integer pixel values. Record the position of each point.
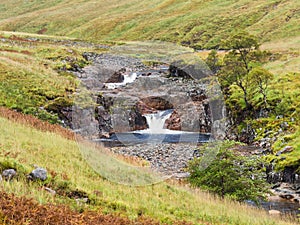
(38, 174)
(117, 77)
(287, 196)
(174, 122)
(157, 102)
(286, 191)
(9, 174)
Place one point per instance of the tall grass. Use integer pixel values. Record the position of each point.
(165, 201)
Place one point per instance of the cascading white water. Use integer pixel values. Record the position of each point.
(130, 78)
(156, 122)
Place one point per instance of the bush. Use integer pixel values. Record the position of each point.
(230, 175)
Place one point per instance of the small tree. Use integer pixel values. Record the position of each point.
(260, 79)
(238, 62)
(230, 175)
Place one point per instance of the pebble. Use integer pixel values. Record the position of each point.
(169, 159)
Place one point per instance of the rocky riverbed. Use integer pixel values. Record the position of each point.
(169, 159)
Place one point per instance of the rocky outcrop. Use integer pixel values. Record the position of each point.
(194, 116)
(119, 114)
(189, 71)
(122, 108)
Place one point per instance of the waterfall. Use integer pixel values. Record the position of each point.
(130, 78)
(156, 122)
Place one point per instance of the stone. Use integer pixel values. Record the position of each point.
(38, 174)
(50, 190)
(274, 212)
(9, 174)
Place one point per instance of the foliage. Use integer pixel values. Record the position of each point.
(213, 61)
(230, 175)
(260, 79)
(238, 64)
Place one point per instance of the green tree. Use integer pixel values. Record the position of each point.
(213, 61)
(260, 79)
(230, 175)
(243, 55)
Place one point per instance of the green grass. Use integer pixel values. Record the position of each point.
(166, 202)
(200, 23)
(34, 76)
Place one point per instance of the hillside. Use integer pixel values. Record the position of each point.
(197, 23)
(43, 47)
(23, 145)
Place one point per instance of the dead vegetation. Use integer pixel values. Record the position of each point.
(20, 210)
(36, 123)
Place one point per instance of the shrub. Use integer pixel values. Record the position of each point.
(230, 175)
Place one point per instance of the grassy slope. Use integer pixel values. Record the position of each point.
(202, 23)
(25, 146)
(286, 85)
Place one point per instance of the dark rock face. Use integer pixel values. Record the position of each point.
(9, 174)
(119, 114)
(157, 103)
(185, 118)
(174, 122)
(117, 77)
(38, 174)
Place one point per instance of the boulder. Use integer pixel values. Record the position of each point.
(38, 174)
(9, 174)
